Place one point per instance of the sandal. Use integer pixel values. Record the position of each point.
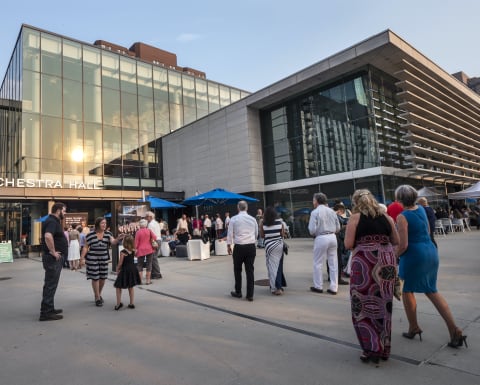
(119, 306)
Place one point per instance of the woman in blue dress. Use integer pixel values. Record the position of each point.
(419, 266)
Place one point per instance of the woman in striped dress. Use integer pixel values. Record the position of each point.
(273, 232)
(96, 256)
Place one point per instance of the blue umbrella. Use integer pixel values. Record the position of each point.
(304, 211)
(217, 196)
(42, 219)
(158, 203)
(108, 215)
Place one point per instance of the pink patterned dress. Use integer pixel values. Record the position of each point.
(371, 285)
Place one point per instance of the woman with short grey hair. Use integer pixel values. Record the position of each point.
(144, 250)
(419, 266)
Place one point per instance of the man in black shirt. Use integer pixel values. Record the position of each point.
(55, 248)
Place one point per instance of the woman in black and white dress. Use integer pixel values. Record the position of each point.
(273, 232)
(96, 256)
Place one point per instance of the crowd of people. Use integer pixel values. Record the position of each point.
(376, 247)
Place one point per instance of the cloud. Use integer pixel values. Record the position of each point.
(186, 37)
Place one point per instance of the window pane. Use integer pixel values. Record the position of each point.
(111, 107)
(145, 107)
(129, 143)
(51, 144)
(72, 99)
(213, 97)
(188, 91)
(235, 95)
(72, 60)
(129, 110)
(51, 95)
(91, 66)
(31, 49)
(73, 152)
(175, 87)
(92, 103)
(51, 53)
(189, 115)
(160, 85)
(162, 118)
(110, 70)
(224, 96)
(93, 149)
(144, 74)
(201, 94)
(176, 116)
(31, 91)
(31, 135)
(128, 78)
(112, 144)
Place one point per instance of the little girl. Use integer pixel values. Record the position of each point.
(127, 272)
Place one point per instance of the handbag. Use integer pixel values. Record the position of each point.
(285, 248)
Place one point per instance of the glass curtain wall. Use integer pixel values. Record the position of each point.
(352, 124)
(93, 115)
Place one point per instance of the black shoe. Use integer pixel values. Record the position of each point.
(331, 292)
(250, 299)
(342, 282)
(50, 317)
(58, 311)
(98, 302)
(235, 294)
(157, 276)
(119, 306)
(315, 290)
(131, 306)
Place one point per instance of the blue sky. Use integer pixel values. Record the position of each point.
(252, 44)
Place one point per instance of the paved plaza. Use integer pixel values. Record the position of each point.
(188, 330)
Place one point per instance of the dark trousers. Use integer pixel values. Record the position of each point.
(52, 268)
(155, 266)
(244, 254)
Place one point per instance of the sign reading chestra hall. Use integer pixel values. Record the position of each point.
(48, 183)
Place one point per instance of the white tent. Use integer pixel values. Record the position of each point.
(428, 192)
(471, 192)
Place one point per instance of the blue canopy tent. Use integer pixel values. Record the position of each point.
(158, 203)
(304, 211)
(215, 197)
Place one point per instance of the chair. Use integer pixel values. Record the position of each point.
(164, 249)
(447, 224)
(439, 228)
(457, 225)
(221, 247)
(196, 249)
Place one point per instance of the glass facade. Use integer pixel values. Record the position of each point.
(351, 124)
(71, 110)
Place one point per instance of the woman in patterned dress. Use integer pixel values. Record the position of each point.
(372, 235)
(273, 232)
(96, 256)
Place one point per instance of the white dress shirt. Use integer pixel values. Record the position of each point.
(242, 230)
(323, 220)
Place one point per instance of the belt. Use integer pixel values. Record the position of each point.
(325, 233)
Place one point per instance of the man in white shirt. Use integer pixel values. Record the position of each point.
(243, 233)
(323, 225)
(218, 227)
(155, 227)
(227, 220)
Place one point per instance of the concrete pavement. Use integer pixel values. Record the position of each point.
(187, 329)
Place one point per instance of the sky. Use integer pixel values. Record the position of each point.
(251, 44)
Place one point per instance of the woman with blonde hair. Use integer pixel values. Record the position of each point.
(371, 234)
(419, 266)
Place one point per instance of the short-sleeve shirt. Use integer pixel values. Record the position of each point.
(53, 226)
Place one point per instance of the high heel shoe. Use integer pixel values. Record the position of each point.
(411, 335)
(458, 340)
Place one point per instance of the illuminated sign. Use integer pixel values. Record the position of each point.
(47, 183)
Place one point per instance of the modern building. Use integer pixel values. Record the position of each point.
(83, 123)
(95, 124)
(374, 116)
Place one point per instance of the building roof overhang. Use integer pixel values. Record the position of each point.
(385, 51)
